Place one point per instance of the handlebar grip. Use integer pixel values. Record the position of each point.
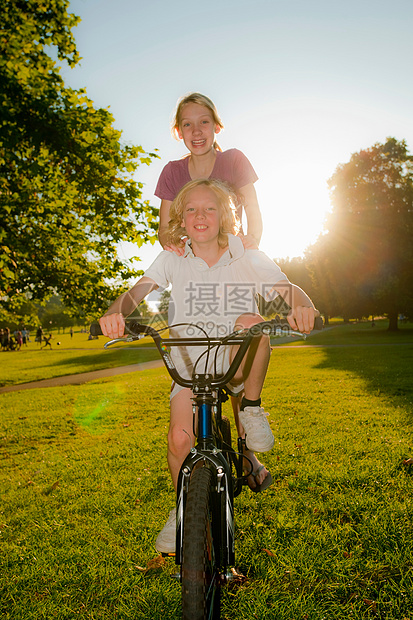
(95, 329)
(132, 326)
(318, 323)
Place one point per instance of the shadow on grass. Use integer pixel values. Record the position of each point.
(109, 359)
(362, 333)
(385, 364)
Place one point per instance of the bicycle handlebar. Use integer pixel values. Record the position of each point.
(241, 337)
(274, 327)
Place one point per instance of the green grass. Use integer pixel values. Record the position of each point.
(78, 354)
(71, 356)
(362, 333)
(85, 489)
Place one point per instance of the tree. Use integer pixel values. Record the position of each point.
(325, 293)
(296, 269)
(67, 192)
(368, 251)
(26, 314)
(164, 300)
(54, 314)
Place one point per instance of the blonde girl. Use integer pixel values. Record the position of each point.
(196, 122)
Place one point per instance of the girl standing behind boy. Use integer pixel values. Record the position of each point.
(196, 122)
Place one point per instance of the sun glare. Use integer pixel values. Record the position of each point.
(294, 216)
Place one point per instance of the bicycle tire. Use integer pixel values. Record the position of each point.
(200, 573)
(226, 438)
(226, 432)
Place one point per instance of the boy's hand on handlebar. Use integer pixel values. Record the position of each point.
(113, 325)
(302, 318)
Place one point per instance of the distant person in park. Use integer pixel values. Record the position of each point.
(6, 340)
(71, 332)
(39, 335)
(47, 342)
(197, 122)
(19, 340)
(3, 339)
(214, 260)
(25, 335)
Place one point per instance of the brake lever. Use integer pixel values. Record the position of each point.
(126, 338)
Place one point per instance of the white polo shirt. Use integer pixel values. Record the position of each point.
(212, 297)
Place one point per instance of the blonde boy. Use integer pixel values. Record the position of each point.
(213, 288)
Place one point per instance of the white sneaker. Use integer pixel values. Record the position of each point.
(165, 543)
(259, 437)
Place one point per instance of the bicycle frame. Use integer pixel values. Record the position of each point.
(206, 488)
(207, 390)
(207, 454)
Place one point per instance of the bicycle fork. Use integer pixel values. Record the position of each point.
(206, 454)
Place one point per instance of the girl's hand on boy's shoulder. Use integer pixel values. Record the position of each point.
(179, 250)
(249, 242)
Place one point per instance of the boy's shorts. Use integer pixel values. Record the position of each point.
(219, 362)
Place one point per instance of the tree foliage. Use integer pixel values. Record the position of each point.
(363, 264)
(296, 269)
(164, 300)
(67, 192)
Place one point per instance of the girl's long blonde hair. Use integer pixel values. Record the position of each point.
(228, 218)
(200, 100)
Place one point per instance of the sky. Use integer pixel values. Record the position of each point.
(300, 85)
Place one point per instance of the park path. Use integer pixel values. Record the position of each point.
(120, 370)
(81, 377)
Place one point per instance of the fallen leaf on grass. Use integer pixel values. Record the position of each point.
(52, 488)
(408, 462)
(371, 604)
(237, 578)
(270, 553)
(154, 564)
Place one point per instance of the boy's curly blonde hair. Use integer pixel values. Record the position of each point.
(228, 222)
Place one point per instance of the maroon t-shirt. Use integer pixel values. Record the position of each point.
(230, 166)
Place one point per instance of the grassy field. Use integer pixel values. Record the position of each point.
(85, 490)
(69, 356)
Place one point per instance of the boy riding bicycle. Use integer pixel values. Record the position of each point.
(213, 287)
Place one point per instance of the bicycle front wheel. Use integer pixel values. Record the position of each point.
(200, 572)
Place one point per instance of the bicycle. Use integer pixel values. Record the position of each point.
(212, 474)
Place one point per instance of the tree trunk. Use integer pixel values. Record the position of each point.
(393, 322)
